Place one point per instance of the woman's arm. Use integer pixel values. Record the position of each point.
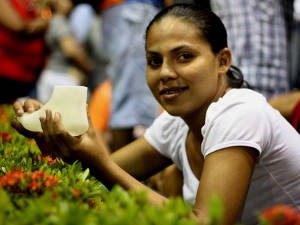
(139, 158)
(91, 150)
(226, 174)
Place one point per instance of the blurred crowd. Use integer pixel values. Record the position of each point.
(100, 44)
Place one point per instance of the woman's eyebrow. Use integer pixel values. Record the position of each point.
(176, 49)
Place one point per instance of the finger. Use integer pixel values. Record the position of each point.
(43, 121)
(49, 121)
(32, 105)
(61, 132)
(51, 128)
(47, 133)
(58, 136)
(18, 108)
(47, 124)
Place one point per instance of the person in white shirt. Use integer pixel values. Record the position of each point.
(227, 141)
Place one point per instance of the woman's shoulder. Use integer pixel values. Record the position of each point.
(242, 117)
(167, 134)
(243, 95)
(242, 99)
(167, 123)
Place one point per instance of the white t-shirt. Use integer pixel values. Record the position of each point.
(240, 118)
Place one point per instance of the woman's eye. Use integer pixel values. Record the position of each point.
(185, 56)
(154, 62)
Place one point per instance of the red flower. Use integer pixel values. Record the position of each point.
(3, 114)
(6, 136)
(76, 192)
(12, 179)
(18, 181)
(92, 203)
(49, 159)
(34, 185)
(281, 215)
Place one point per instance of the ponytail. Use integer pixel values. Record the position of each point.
(235, 78)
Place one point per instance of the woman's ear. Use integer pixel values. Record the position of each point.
(224, 57)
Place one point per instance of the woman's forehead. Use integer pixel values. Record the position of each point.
(172, 28)
(171, 25)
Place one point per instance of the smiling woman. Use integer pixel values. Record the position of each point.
(226, 141)
(181, 67)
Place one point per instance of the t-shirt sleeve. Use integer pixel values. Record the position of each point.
(166, 135)
(237, 125)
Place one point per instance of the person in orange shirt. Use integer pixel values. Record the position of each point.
(99, 108)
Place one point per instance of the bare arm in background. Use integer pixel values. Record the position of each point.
(169, 2)
(76, 53)
(10, 19)
(286, 103)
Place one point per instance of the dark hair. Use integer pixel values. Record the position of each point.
(210, 27)
(235, 78)
(94, 3)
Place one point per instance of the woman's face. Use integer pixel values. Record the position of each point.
(183, 73)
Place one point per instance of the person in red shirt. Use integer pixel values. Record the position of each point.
(22, 49)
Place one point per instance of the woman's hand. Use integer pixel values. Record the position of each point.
(30, 106)
(90, 148)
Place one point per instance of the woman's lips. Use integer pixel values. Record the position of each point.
(172, 92)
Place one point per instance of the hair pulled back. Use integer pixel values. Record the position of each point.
(210, 27)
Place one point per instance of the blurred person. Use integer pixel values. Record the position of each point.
(85, 23)
(294, 77)
(258, 37)
(295, 47)
(80, 19)
(133, 108)
(99, 109)
(22, 47)
(68, 62)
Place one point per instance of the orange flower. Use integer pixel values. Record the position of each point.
(18, 181)
(34, 185)
(76, 192)
(49, 159)
(281, 215)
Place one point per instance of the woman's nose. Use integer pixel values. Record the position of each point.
(167, 72)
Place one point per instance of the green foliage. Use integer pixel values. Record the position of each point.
(216, 210)
(130, 208)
